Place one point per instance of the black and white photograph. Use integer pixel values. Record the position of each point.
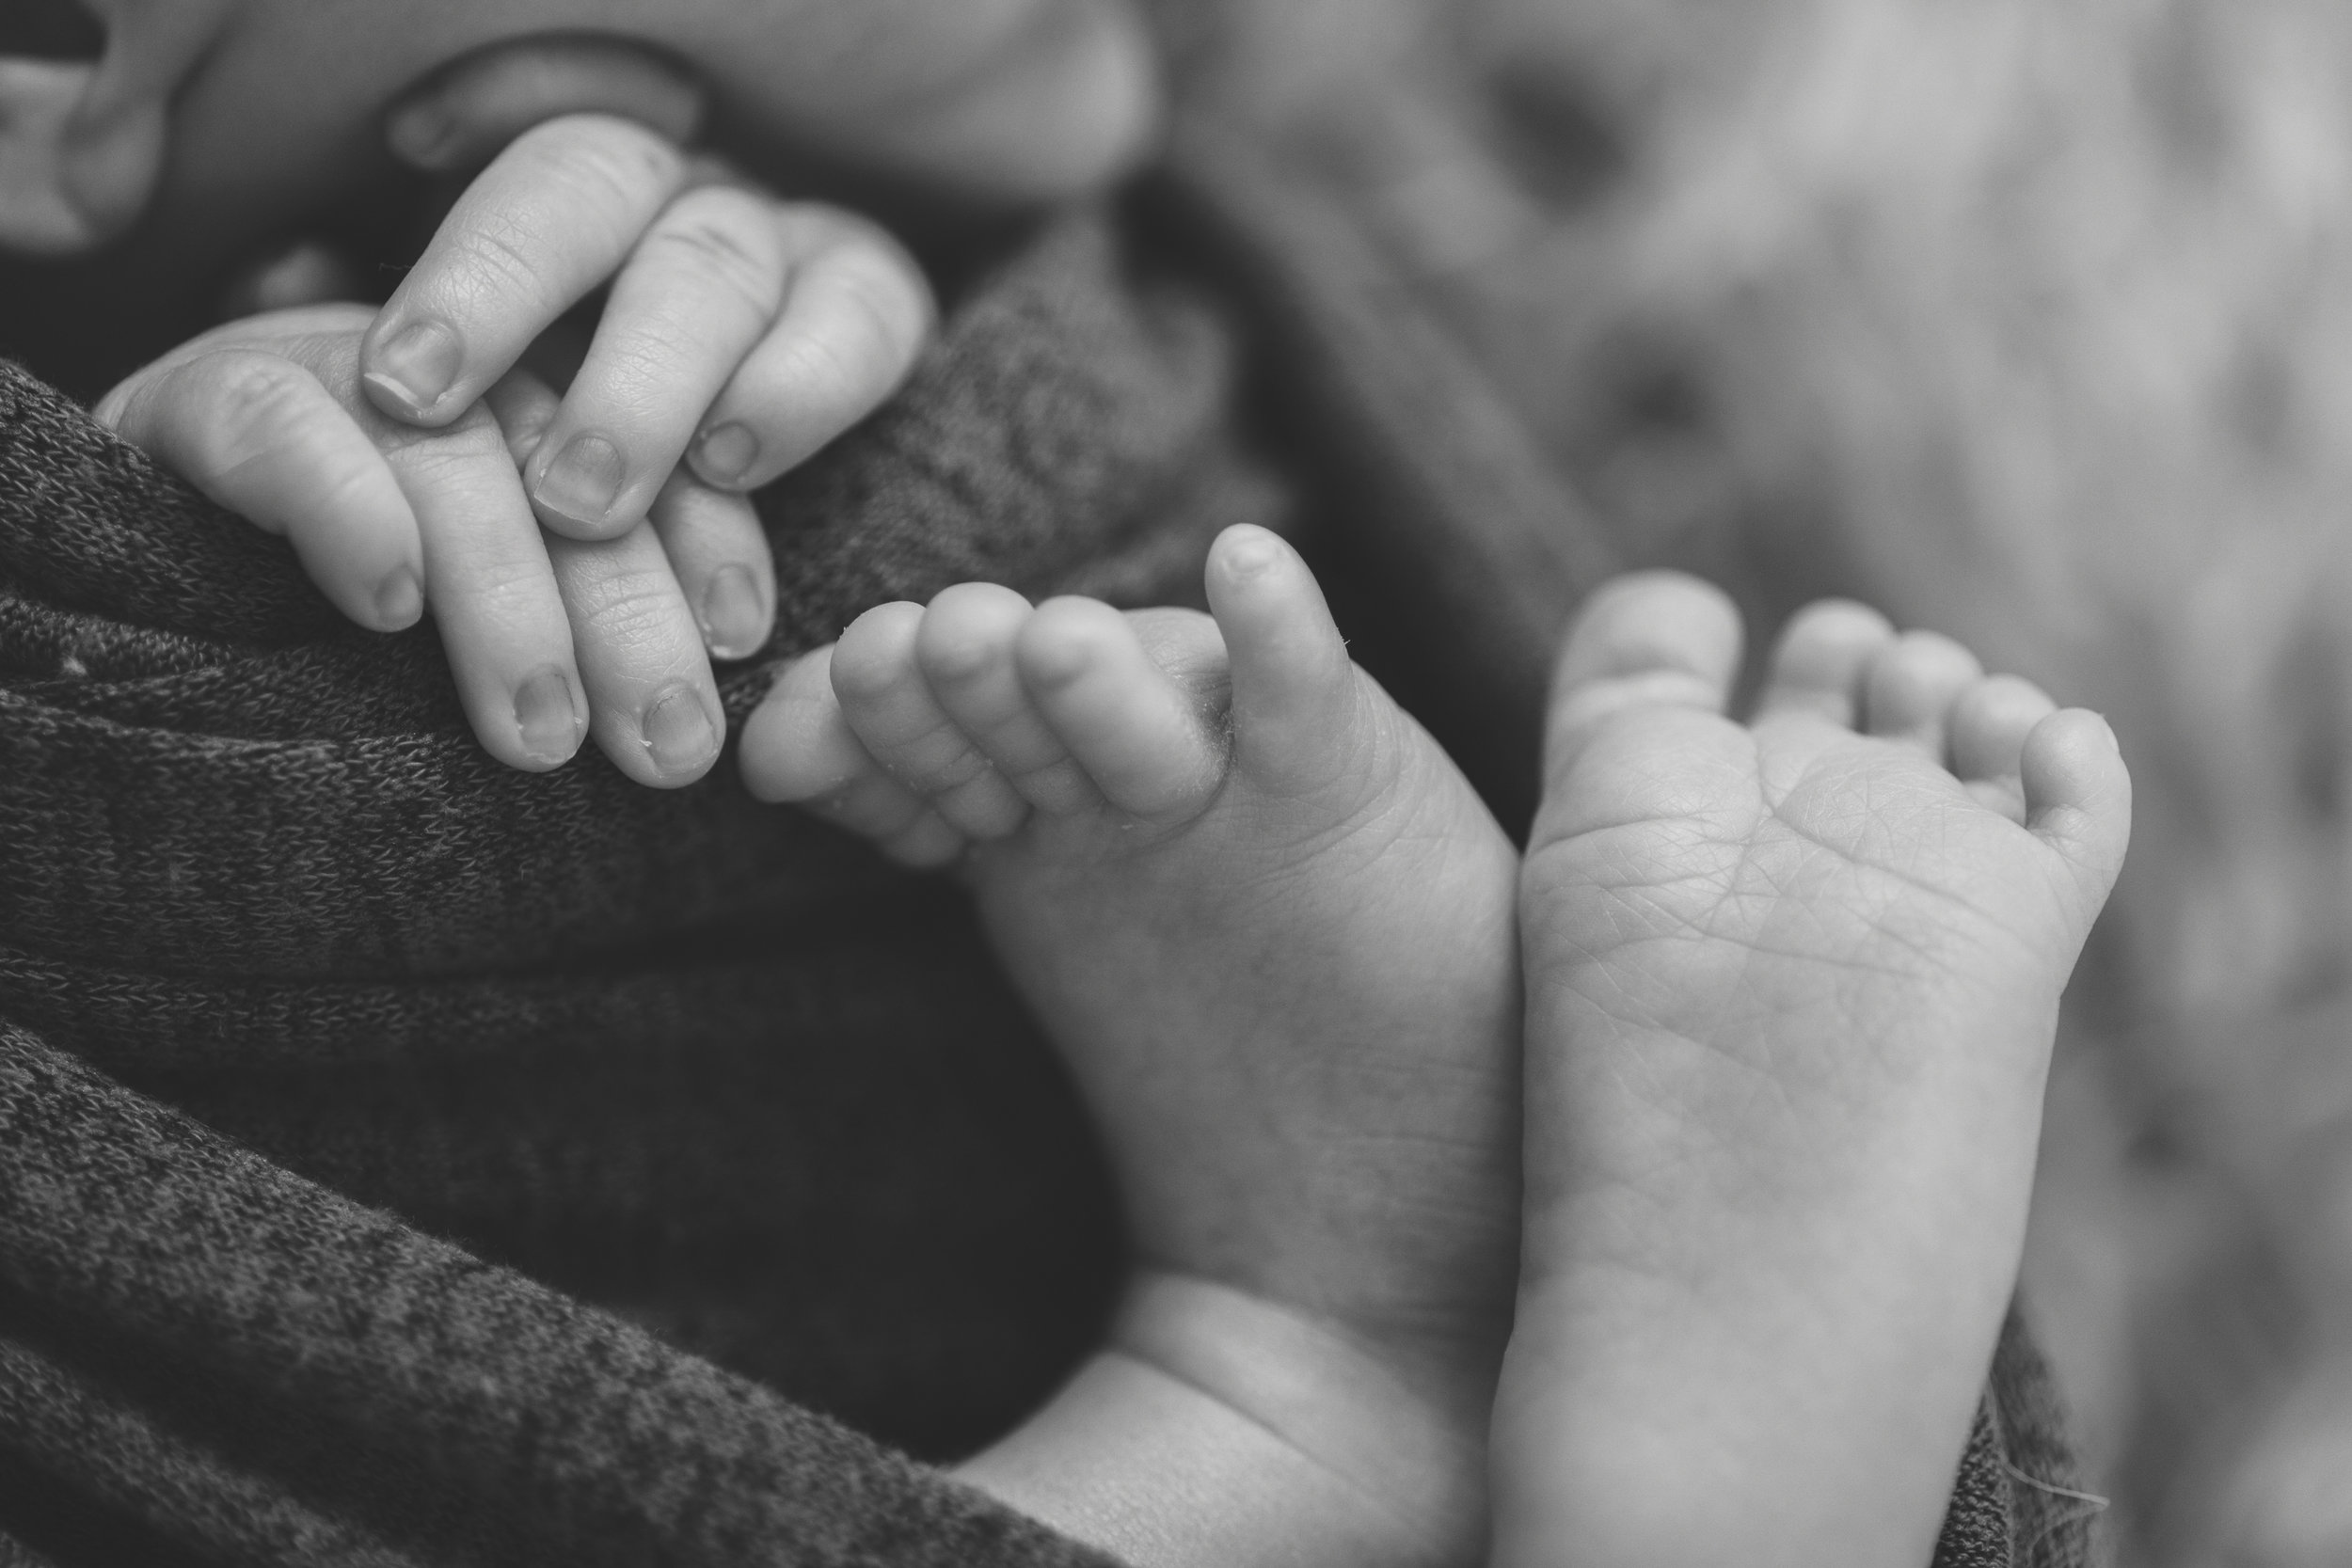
(1176, 783)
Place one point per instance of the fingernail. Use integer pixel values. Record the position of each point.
(584, 481)
(726, 454)
(677, 731)
(415, 368)
(546, 714)
(732, 613)
(398, 601)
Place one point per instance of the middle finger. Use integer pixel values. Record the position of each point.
(654, 705)
(696, 297)
(493, 594)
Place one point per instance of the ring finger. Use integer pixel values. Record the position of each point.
(654, 708)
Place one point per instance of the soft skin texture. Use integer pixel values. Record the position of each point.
(776, 325)
(1269, 926)
(1790, 992)
(1792, 986)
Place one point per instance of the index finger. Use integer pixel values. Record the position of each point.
(547, 222)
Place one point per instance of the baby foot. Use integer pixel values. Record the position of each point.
(1791, 991)
(1270, 926)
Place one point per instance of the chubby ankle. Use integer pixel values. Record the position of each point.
(1222, 1427)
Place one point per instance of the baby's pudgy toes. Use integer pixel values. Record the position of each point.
(1909, 688)
(1823, 663)
(798, 747)
(965, 648)
(1295, 688)
(1138, 736)
(887, 700)
(1649, 640)
(1985, 739)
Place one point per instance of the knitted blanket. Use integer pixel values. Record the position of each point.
(408, 1161)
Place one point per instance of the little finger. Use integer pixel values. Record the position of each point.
(856, 313)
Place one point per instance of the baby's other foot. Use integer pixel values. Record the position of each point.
(1791, 991)
(1271, 927)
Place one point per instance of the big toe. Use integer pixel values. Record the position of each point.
(1653, 639)
(1294, 712)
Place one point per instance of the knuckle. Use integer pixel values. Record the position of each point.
(501, 256)
(884, 316)
(464, 446)
(246, 391)
(629, 608)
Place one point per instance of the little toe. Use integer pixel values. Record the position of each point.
(1818, 665)
(965, 648)
(1912, 685)
(2078, 795)
(877, 674)
(1651, 639)
(1987, 726)
(1135, 732)
(798, 748)
(1294, 686)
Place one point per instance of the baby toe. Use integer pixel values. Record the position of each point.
(1649, 640)
(1822, 661)
(2078, 795)
(798, 748)
(796, 745)
(1987, 725)
(1912, 685)
(1293, 686)
(887, 700)
(965, 648)
(1136, 735)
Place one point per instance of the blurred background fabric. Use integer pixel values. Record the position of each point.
(2029, 321)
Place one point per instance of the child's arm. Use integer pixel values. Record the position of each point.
(786, 322)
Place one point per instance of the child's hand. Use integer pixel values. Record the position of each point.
(552, 637)
(266, 416)
(741, 334)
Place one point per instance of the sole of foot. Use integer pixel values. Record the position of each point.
(1792, 986)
